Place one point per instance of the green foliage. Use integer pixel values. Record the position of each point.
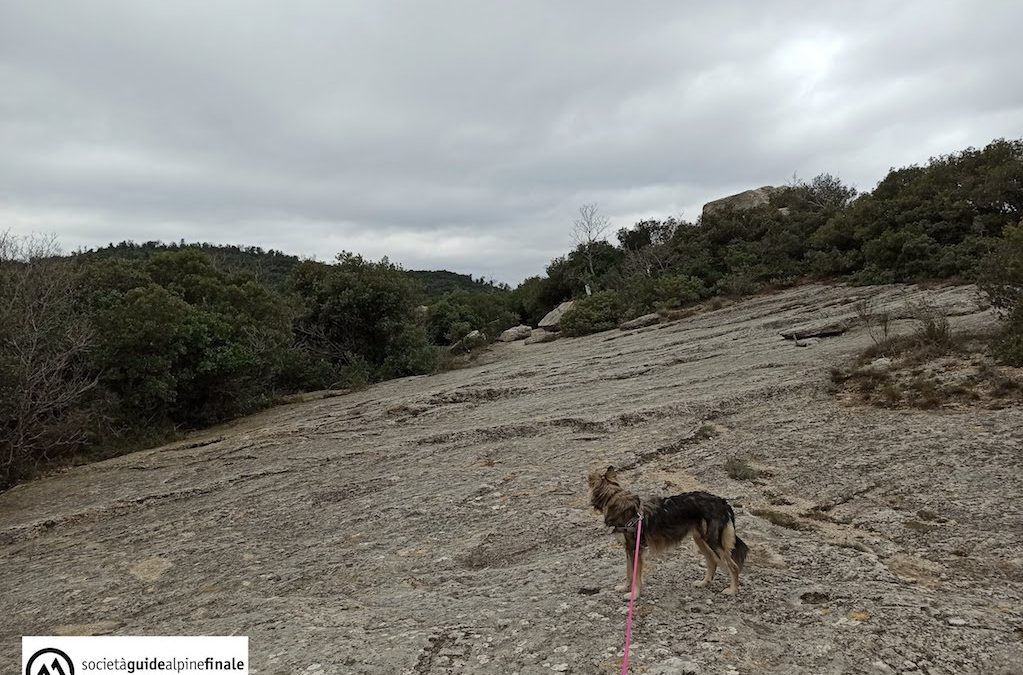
(189, 344)
(935, 221)
(357, 311)
(678, 290)
(639, 294)
(459, 313)
(824, 193)
(268, 266)
(437, 283)
(275, 268)
(600, 311)
(536, 296)
(921, 222)
(1009, 347)
(1002, 281)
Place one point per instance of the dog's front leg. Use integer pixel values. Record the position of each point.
(639, 573)
(630, 569)
(625, 587)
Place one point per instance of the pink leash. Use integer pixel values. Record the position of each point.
(632, 596)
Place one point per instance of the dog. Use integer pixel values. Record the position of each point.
(667, 521)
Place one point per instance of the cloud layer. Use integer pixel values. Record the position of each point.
(464, 135)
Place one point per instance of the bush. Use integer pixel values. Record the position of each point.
(189, 344)
(459, 313)
(931, 338)
(600, 311)
(361, 316)
(1009, 346)
(1002, 281)
(678, 290)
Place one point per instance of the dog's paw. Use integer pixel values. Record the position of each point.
(730, 591)
(701, 584)
(622, 588)
(628, 596)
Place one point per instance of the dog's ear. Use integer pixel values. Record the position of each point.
(610, 474)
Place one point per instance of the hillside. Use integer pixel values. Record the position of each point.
(440, 524)
(274, 267)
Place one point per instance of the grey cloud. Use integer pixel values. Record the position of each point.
(465, 134)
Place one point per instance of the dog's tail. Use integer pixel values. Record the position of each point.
(739, 552)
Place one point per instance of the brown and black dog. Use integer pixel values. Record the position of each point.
(666, 523)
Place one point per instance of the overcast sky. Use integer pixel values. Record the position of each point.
(465, 135)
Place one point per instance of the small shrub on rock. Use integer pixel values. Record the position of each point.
(600, 311)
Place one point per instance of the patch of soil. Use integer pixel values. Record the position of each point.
(951, 381)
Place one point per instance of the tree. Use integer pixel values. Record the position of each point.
(44, 337)
(362, 315)
(185, 342)
(823, 193)
(587, 230)
(649, 246)
(460, 312)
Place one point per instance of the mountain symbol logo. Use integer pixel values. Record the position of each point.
(50, 661)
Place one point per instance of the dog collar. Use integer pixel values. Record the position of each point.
(629, 526)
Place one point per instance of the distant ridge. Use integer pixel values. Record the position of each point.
(274, 267)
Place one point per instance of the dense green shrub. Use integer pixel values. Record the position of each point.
(363, 315)
(459, 313)
(935, 221)
(678, 290)
(536, 296)
(600, 311)
(1002, 280)
(183, 342)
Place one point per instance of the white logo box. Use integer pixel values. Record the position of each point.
(134, 655)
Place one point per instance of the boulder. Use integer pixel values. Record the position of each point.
(750, 199)
(471, 341)
(641, 321)
(541, 335)
(552, 321)
(818, 329)
(516, 333)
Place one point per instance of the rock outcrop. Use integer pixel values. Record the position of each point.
(552, 320)
(541, 335)
(471, 341)
(515, 333)
(641, 321)
(744, 200)
(440, 524)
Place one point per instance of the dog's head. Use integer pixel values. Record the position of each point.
(603, 486)
(609, 497)
(608, 475)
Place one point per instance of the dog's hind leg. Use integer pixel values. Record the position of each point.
(725, 554)
(709, 557)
